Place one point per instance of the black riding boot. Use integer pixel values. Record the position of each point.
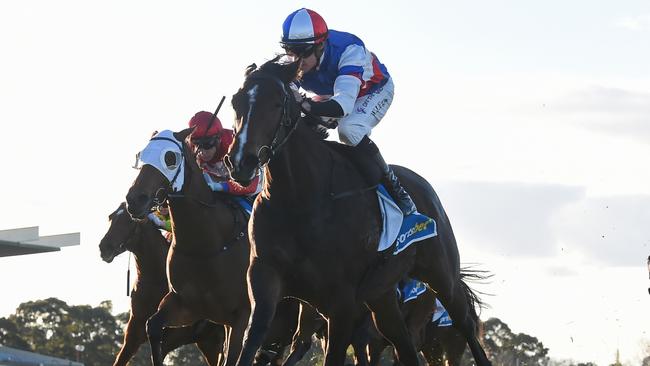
(374, 168)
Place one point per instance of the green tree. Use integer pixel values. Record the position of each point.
(186, 355)
(54, 328)
(10, 337)
(505, 348)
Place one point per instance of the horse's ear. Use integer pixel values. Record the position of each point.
(249, 69)
(182, 135)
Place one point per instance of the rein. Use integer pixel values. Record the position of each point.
(287, 124)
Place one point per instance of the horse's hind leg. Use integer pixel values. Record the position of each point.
(459, 301)
(388, 320)
(134, 336)
(454, 347)
(170, 308)
(265, 287)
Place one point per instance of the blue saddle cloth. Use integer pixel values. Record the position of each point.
(411, 289)
(441, 317)
(401, 230)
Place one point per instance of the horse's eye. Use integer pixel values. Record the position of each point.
(170, 160)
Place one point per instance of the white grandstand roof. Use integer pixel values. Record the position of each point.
(27, 241)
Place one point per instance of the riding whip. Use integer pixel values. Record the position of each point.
(214, 116)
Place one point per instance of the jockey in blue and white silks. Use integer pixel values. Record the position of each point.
(351, 86)
(347, 71)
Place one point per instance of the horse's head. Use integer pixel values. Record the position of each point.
(119, 236)
(266, 114)
(162, 169)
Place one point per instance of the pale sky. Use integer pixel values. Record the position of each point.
(530, 119)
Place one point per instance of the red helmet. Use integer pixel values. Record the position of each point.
(207, 129)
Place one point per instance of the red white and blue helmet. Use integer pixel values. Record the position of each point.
(303, 27)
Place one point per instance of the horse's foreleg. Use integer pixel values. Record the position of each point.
(340, 328)
(309, 321)
(361, 339)
(170, 309)
(280, 335)
(265, 288)
(376, 346)
(388, 320)
(134, 336)
(209, 339)
(236, 337)
(173, 338)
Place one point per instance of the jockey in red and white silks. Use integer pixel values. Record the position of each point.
(211, 141)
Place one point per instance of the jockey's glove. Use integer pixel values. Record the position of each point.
(328, 108)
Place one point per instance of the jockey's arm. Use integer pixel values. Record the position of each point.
(346, 85)
(346, 90)
(234, 188)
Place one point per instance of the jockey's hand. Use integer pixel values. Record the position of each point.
(300, 97)
(305, 105)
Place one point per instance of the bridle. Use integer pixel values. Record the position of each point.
(286, 127)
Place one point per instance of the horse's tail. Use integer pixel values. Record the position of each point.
(468, 274)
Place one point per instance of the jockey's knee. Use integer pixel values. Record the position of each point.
(351, 134)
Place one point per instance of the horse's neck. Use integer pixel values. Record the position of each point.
(151, 257)
(199, 226)
(301, 175)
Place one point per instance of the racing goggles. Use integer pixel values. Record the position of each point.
(205, 143)
(299, 50)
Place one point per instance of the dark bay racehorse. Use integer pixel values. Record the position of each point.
(149, 249)
(314, 230)
(207, 263)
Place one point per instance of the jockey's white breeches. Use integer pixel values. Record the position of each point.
(368, 111)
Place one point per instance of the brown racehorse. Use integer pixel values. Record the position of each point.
(208, 260)
(149, 249)
(315, 229)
